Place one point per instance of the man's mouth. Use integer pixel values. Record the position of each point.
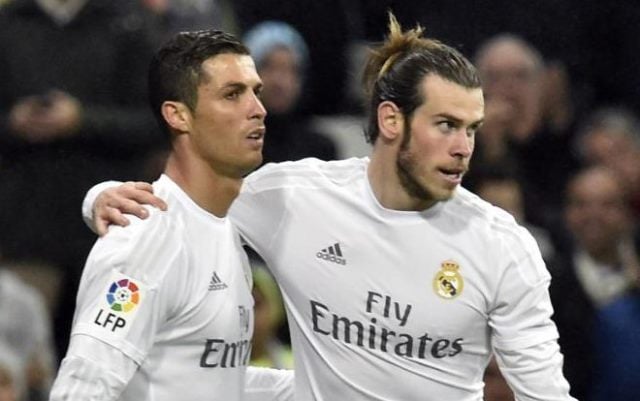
(257, 133)
(453, 175)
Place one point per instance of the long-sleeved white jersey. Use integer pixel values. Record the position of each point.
(399, 305)
(164, 311)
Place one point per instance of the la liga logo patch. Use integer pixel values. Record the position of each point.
(123, 295)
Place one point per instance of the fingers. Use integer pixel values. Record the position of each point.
(129, 198)
(142, 193)
(127, 206)
(108, 216)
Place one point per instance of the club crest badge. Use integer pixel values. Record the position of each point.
(448, 282)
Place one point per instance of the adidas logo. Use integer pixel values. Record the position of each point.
(333, 254)
(215, 283)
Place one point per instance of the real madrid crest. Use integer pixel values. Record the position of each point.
(448, 282)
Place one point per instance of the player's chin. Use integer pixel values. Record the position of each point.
(444, 194)
(252, 162)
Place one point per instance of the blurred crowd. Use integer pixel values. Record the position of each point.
(559, 149)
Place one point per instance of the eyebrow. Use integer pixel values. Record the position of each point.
(240, 85)
(458, 120)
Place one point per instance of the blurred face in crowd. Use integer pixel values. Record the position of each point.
(512, 75)
(439, 141)
(281, 77)
(596, 211)
(616, 150)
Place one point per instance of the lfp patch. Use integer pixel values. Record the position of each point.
(119, 304)
(123, 295)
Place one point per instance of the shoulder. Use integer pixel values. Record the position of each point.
(498, 227)
(308, 173)
(143, 249)
(470, 207)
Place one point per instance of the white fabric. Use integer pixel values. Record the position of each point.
(92, 370)
(367, 324)
(189, 329)
(358, 283)
(263, 384)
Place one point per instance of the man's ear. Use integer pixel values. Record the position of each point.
(390, 120)
(177, 115)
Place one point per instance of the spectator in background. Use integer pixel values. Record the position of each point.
(519, 133)
(329, 27)
(611, 137)
(72, 111)
(598, 269)
(173, 16)
(502, 189)
(282, 59)
(25, 330)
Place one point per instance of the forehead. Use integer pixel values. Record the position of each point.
(227, 68)
(444, 97)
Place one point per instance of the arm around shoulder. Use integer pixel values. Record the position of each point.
(90, 199)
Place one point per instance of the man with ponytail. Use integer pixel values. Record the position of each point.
(399, 283)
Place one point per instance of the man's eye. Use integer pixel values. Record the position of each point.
(232, 95)
(446, 126)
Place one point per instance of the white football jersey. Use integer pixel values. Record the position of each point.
(399, 305)
(173, 294)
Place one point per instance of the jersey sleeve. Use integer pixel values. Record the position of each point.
(535, 373)
(521, 312)
(259, 210)
(92, 370)
(90, 199)
(524, 337)
(129, 285)
(264, 384)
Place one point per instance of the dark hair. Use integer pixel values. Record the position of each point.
(395, 70)
(175, 71)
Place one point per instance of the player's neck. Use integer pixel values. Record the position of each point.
(211, 191)
(386, 186)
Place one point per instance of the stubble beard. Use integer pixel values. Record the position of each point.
(408, 174)
(406, 167)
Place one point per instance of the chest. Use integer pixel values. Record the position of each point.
(346, 269)
(216, 289)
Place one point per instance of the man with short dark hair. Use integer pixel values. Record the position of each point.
(164, 309)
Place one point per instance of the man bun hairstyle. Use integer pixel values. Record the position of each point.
(395, 69)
